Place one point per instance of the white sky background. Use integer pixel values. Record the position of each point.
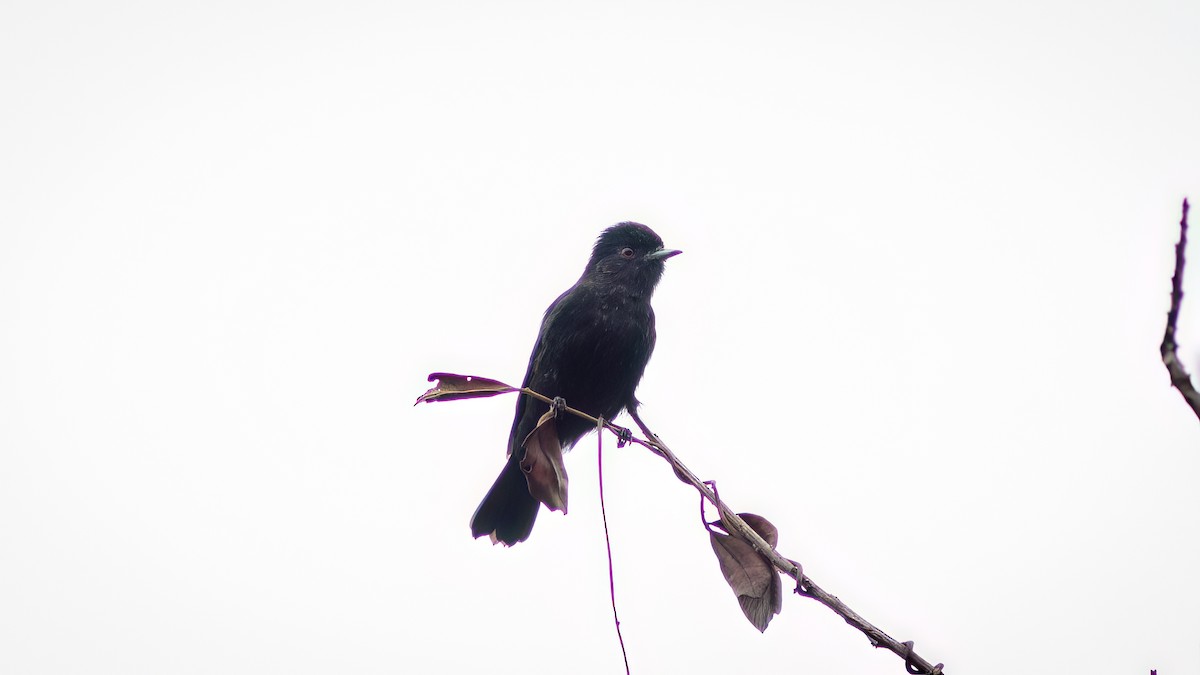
(916, 324)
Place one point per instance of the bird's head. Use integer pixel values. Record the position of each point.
(629, 253)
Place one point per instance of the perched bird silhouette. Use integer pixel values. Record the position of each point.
(591, 351)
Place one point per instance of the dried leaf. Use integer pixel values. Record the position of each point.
(760, 611)
(752, 577)
(451, 387)
(763, 527)
(543, 465)
(742, 566)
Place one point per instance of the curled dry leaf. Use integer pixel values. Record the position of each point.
(752, 577)
(451, 387)
(543, 465)
(762, 526)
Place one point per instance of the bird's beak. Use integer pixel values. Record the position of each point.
(662, 254)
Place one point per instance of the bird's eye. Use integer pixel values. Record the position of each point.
(626, 252)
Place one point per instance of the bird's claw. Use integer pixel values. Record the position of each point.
(558, 405)
(624, 437)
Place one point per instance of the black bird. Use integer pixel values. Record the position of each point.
(591, 350)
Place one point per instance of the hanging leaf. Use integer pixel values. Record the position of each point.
(752, 577)
(762, 526)
(451, 387)
(543, 465)
(760, 611)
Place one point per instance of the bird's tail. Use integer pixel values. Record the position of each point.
(507, 512)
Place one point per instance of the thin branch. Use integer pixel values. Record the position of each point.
(452, 387)
(612, 584)
(1169, 349)
(804, 585)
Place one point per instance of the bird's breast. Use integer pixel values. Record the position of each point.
(602, 361)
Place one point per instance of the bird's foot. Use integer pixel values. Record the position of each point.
(558, 405)
(624, 437)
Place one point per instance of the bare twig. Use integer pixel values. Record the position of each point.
(804, 585)
(1169, 349)
(612, 584)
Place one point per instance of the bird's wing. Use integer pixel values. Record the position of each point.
(519, 430)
